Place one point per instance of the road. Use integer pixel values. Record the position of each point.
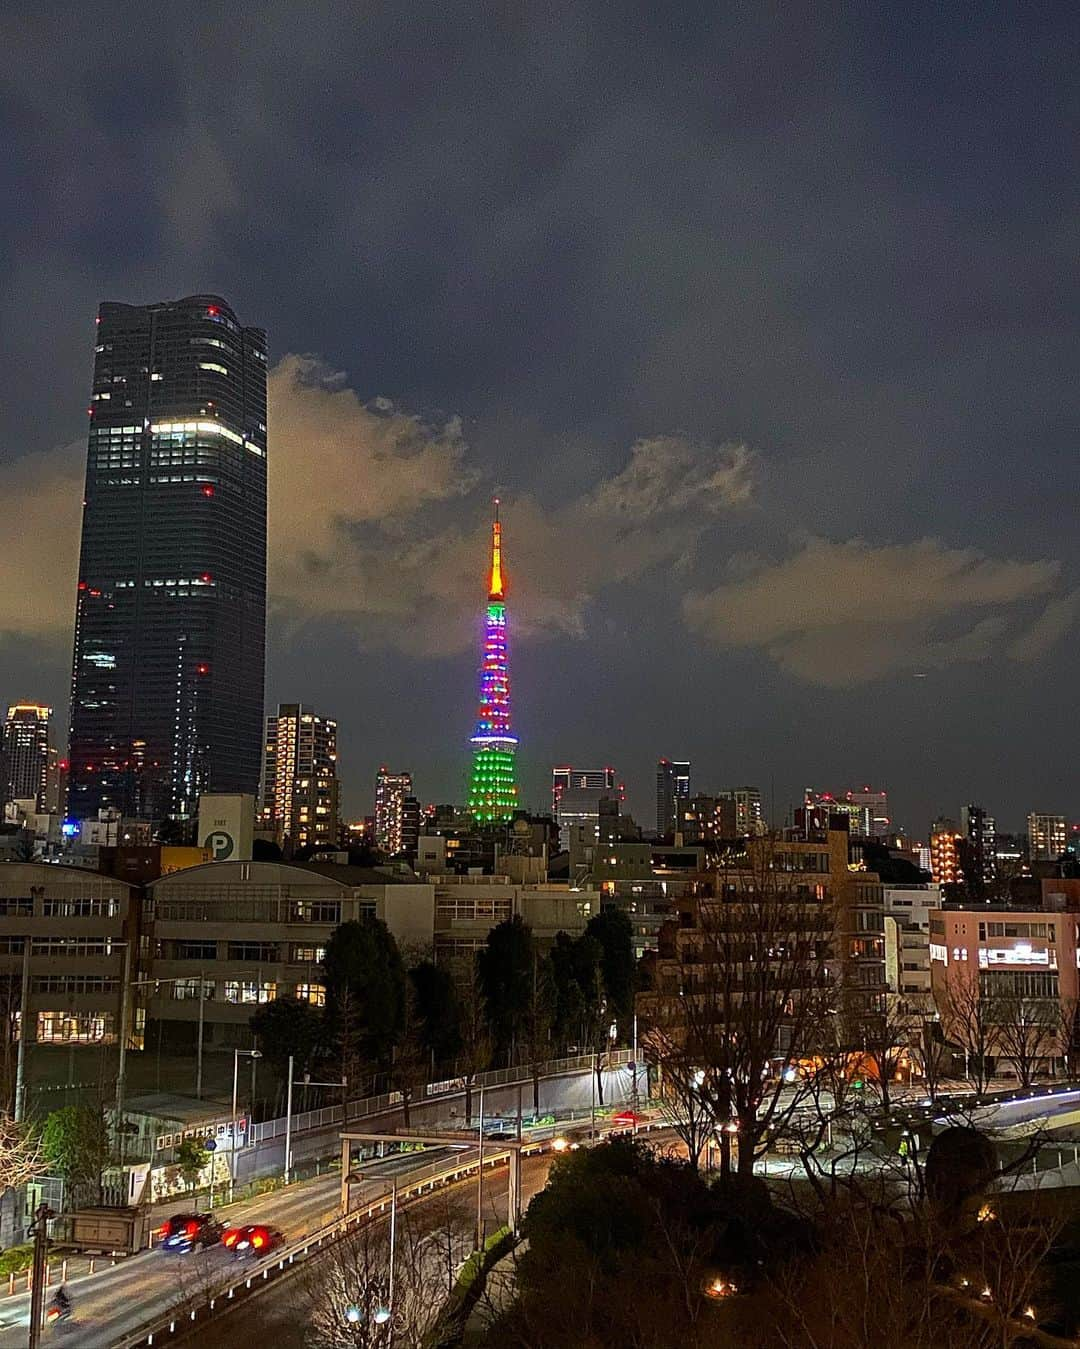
(280, 1315)
(117, 1300)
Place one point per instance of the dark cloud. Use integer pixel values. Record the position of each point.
(609, 241)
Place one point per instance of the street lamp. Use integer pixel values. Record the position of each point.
(306, 1081)
(248, 1054)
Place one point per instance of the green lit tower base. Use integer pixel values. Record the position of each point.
(492, 782)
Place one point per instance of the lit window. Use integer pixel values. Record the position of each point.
(313, 993)
(157, 376)
(211, 365)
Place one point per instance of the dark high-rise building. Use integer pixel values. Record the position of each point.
(672, 786)
(167, 681)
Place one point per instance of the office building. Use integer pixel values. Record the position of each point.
(577, 794)
(867, 810)
(239, 934)
(493, 794)
(1009, 962)
(1046, 837)
(24, 755)
(564, 778)
(391, 789)
(84, 933)
(672, 786)
(300, 782)
(170, 614)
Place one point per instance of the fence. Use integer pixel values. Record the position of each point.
(330, 1115)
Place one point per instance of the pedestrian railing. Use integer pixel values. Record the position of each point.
(311, 1120)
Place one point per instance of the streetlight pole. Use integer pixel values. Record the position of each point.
(393, 1240)
(125, 1013)
(24, 1026)
(288, 1123)
(480, 1180)
(306, 1081)
(199, 1037)
(247, 1053)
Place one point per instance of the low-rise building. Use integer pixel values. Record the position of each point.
(237, 934)
(995, 968)
(79, 934)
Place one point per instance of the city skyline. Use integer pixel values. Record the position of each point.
(777, 470)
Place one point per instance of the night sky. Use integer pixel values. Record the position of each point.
(762, 319)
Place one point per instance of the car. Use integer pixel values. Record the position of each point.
(183, 1232)
(252, 1239)
(625, 1119)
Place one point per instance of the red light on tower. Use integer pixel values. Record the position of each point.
(208, 491)
(212, 310)
(206, 578)
(202, 668)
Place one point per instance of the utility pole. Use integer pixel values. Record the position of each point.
(121, 1076)
(37, 1286)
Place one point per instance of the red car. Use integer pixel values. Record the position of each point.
(625, 1119)
(252, 1240)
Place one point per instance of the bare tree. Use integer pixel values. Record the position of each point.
(1025, 1031)
(350, 1302)
(967, 1021)
(476, 1045)
(888, 1037)
(1068, 1036)
(682, 1101)
(20, 1154)
(904, 1281)
(743, 993)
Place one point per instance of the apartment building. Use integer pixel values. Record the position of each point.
(908, 910)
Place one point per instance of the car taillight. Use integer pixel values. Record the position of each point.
(229, 1239)
(191, 1228)
(258, 1239)
(53, 1314)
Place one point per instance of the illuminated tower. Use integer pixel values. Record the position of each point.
(492, 785)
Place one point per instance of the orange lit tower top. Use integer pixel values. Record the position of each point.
(492, 781)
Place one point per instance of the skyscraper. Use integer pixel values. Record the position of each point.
(24, 754)
(391, 790)
(300, 783)
(167, 678)
(493, 779)
(672, 786)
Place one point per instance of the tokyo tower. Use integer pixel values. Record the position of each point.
(492, 782)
